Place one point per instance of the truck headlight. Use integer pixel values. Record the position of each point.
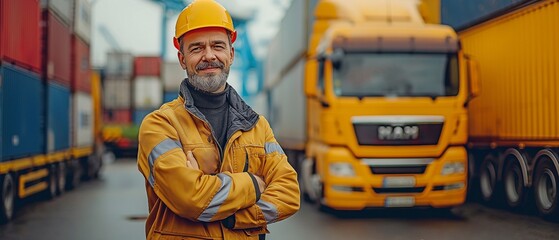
(341, 170)
(452, 168)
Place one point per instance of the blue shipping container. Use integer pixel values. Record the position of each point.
(170, 96)
(21, 97)
(139, 115)
(463, 13)
(58, 131)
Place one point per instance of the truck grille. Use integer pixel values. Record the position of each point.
(390, 131)
(398, 170)
(399, 190)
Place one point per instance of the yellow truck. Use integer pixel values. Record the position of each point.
(513, 130)
(369, 102)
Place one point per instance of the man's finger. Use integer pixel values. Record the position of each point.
(190, 159)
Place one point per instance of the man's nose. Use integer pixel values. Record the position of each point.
(209, 54)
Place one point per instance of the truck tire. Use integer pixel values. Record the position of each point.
(488, 179)
(7, 198)
(513, 182)
(52, 181)
(546, 187)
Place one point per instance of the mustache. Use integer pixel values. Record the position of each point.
(204, 65)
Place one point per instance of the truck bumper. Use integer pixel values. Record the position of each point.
(427, 189)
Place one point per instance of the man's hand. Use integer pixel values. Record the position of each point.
(191, 161)
(261, 183)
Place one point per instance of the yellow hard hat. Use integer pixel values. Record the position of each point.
(201, 14)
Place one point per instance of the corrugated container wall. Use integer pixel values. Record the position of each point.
(58, 112)
(119, 64)
(58, 60)
(461, 13)
(20, 33)
(62, 8)
(117, 116)
(148, 93)
(519, 71)
(21, 115)
(147, 66)
(81, 78)
(82, 20)
(116, 94)
(82, 120)
(172, 75)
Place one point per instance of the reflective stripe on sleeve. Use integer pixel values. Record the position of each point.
(269, 210)
(161, 148)
(218, 199)
(273, 147)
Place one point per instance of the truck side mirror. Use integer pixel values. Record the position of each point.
(473, 78)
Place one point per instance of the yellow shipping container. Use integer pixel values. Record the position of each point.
(518, 61)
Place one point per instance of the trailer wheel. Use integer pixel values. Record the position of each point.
(488, 178)
(53, 182)
(546, 187)
(7, 198)
(513, 181)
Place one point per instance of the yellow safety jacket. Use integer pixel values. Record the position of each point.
(221, 200)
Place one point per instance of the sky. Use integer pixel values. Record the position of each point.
(135, 26)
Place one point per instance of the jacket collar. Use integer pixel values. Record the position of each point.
(241, 115)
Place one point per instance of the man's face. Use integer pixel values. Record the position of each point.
(207, 57)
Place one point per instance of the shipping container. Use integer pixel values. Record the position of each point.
(21, 115)
(20, 33)
(81, 76)
(117, 116)
(147, 66)
(170, 96)
(148, 92)
(119, 65)
(293, 34)
(62, 8)
(82, 20)
(116, 93)
(140, 114)
(172, 75)
(58, 117)
(58, 49)
(82, 120)
(463, 13)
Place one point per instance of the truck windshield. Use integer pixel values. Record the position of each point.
(396, 74)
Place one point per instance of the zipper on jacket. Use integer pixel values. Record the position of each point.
(208, 126)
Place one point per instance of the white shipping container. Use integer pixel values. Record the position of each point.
(116, 94)
(148, 92)
(82, 20)
(62, 8)
(287, 114)
(119, 64)
(172, 74)
(82, 118)
(290, 43)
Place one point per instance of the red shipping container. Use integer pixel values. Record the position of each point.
(58, 49)
(20, 33)
(81, 78)
(147, 66)
(121, 116)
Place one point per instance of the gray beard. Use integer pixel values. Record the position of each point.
(208, 83)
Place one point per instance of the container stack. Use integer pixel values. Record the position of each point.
(56, 71)
(21, 118)
(148, 88)
(117, 89)
(82, 104)
(172, 75)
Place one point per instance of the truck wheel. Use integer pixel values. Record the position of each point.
(305, 172)
(513, 181)
(7, 198)
(546, 186)
(61, 174)
(488, 178)
(50, 193)
(75, 174)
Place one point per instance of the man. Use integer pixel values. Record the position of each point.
(212, 166)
